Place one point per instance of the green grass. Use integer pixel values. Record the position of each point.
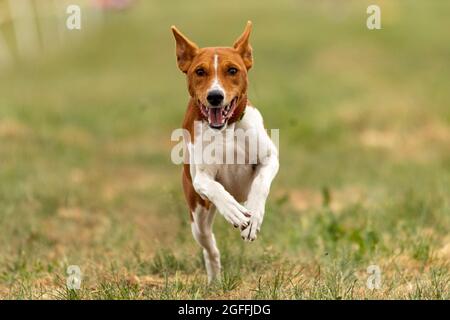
(86, 177)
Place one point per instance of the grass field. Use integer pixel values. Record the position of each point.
(364, 118)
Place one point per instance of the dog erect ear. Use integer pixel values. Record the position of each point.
(186, 50)
(242, 45)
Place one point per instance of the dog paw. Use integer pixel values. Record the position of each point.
(250, 232)
(236, 214)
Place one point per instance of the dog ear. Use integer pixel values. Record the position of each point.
(242, 45)
(185, 51)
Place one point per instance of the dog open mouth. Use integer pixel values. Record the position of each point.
(218, 116)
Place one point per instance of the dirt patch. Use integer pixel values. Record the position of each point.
(145, 281)
(444, 251)
(11, 128)
(307, 199)
(75, 136)
(125, 180)
(70, 213)
(424, 143)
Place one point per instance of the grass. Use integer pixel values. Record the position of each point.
(86, 177)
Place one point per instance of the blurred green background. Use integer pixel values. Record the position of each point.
(364, 119)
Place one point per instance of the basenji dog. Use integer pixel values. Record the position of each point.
(217, 84)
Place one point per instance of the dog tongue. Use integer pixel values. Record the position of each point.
(215, 116)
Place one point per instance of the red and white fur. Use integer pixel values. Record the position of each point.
(217, 84)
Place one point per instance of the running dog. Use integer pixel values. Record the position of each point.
(217, 84)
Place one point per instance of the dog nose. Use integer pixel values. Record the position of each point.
(215, 97)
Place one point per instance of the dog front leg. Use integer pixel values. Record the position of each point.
(259, 191)
(233, 212)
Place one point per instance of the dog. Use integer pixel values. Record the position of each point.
(217, 84)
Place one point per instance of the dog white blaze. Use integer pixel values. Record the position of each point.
(216, 83)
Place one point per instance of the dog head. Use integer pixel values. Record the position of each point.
(217, 76)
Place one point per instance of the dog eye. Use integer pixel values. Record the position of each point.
(232, 71)
(200, 72)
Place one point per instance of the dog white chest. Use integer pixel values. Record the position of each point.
(231, 155)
